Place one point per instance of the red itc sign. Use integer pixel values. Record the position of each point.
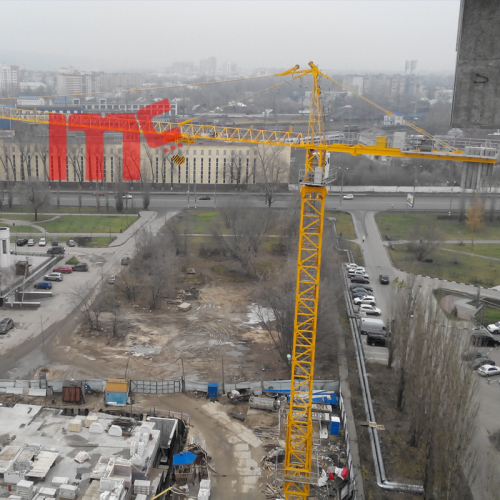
(94, 126)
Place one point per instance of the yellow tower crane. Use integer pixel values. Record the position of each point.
(313, 180)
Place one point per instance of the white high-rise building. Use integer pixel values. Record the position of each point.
(9, 78)
(69, 81)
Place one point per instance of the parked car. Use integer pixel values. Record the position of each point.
(360, 291)
(44, 285)
(494, 328)
(472, 355)
(484, 340)
(31, 242)
(55, 242)
(21, 242)
(348, 197)
(360, 279)
(204, 197)
(5, 325)
(488, 370)
(359, 295)
(127, 196)
(112, 280)
(42, 242)
(367, 299)
(376, 339)
(53, 277)
(63, 269)
(81, 266)
(351, 265)
(99, 193)
(384, 279)
(71, 243)
(56, 250)
(125, 261)
(364, 287)
(369, 309)
(481, 362)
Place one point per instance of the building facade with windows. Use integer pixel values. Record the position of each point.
(204, 163)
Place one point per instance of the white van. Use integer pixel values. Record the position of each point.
(372, 325)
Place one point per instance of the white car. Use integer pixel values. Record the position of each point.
(351, 266)
(31, 242)
(127, 196)
(367, 299)
(348, 197)
(42, 242)
(371, 310)
(53, 277)
(488, 370)
(493, 328)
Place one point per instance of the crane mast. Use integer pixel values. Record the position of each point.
(299, 437)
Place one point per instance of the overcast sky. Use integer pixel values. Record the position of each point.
(340, 35)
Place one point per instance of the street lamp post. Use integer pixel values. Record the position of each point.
(451, 199)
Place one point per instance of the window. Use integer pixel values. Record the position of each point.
(82, 177)
(67, 168)
(164, 171)
(104, 169)
(4, 246)
(201, 171)
(209, 169)
(14, 166)
(194, 151)
(246, 171)
(187, 152)
(194, 170)
(111, 168)
(13, 149)
(216, 170)
(209, 151)
(225, 152)
(202, 151)
(179, 174)
(217, 152)
(111, 150)
(248, 152)
(36, 165)
(156, 171)
(187, 171)
(254, 169)
(224, 171)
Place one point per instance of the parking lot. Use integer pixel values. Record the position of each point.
(102, 263)
(375, 353)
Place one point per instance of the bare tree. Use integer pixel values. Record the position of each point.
(119, 196)
(273, 169)
(79, 197)
(91, 303)
(240, 169)
(243, 233)
(36, 194)
(145, 189)
(178, 229)
(424, 240)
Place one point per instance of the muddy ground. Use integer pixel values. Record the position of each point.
(219, 334)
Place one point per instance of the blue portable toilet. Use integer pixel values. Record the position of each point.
(334, 426)
(213, 389)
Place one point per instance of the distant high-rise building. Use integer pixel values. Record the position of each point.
(354, 82)
(208, 66)
(9, 79)
(69, 81)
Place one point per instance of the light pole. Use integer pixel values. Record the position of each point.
(451, 199)
(188, 176)
(342, 186)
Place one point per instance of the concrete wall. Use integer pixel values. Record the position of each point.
(476, 100)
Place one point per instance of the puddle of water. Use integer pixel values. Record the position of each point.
(257, 314)
(140, 350)
(234, 354)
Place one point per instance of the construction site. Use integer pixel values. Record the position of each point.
(223, 351)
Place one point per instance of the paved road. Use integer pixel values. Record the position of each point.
(170, 200)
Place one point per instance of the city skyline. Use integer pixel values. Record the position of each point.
(358, 36)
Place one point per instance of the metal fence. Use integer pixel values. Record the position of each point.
(351, 487)
(155, 387)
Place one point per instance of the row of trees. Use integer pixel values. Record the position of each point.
(435, 389)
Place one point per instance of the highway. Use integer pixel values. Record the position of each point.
(174, 200)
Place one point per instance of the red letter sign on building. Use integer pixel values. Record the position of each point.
(94, 126)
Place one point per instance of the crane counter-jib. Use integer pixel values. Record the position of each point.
(349, 144)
